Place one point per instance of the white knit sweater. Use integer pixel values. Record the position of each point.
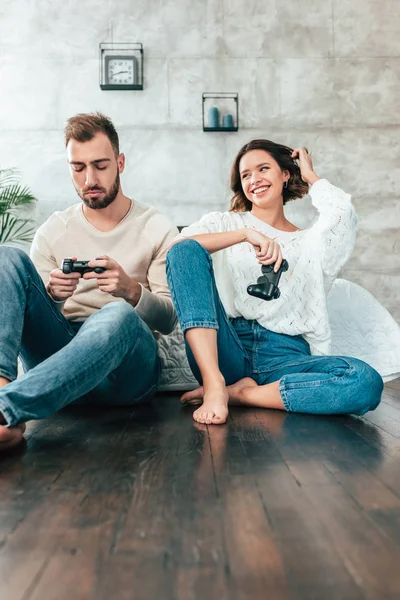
(315, 256)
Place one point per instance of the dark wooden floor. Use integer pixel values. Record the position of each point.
(144, 505)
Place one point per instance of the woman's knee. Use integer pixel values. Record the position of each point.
(186, 250)
(368, 387)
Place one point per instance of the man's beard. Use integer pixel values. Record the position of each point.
(97, 203)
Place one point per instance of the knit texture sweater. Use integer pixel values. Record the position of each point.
(138, 243)
(315, 256)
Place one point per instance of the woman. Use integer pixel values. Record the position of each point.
(245, 350)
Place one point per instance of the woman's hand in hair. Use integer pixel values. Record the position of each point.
(306, 165)
(268, 251)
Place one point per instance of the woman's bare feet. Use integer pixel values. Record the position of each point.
(195, 397)
(214, 409)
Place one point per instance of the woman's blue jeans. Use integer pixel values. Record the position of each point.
(308, 384)
(111, 358)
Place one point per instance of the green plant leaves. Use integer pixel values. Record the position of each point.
(14, 197)
(15, 229)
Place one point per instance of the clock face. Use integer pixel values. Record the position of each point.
(121, 70)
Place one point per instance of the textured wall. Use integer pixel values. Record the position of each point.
(322, 74)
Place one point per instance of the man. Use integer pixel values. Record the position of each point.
(84, 337)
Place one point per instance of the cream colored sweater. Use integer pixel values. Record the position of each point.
(138, 243)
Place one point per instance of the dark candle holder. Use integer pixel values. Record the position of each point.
(220, 111)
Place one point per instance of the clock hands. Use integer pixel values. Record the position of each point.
(120, 72)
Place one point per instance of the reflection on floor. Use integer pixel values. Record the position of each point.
(143, 504)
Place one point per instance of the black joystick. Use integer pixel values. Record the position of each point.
(79, 266)
(266, 287)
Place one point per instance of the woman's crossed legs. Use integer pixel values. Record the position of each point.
(279, 374)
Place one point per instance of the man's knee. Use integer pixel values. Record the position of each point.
(15, 256)
(121, 318)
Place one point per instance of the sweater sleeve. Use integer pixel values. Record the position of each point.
(213, 222)
(44, 261)
(155, 306)
(336, 225)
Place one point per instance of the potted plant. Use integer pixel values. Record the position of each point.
(14, 197)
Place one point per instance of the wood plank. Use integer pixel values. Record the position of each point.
(20, 572)
(312, 565)
(256, 567)
(149, 504)
(394, 384)
(370, 556)
(66, 576)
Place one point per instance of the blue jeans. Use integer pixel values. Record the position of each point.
(308, 384)
(111, 358)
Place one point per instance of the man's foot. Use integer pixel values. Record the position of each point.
(11, 436)
(214, 409)
(195, 397)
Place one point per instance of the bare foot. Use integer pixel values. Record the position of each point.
(235, 390)
(11, 436)
(214, 409)
(195, 397)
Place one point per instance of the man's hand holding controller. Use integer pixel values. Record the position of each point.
(113, 279)
(61, 285)
(109, 275)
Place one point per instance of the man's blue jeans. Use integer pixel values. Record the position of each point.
(308, 384)
(111, 358)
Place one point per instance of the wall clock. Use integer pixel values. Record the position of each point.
(121, 66)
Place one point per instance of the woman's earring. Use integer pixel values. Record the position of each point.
(285, 184)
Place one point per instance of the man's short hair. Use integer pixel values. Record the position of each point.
(84, 127)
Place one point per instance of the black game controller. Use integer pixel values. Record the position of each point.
(79, 266)
(266, 287)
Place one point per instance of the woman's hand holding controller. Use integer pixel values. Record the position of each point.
(268, 251)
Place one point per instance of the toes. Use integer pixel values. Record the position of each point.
(203, 416)
(194, 395)
(192, 402)
(5, 434)
(10, 437)
(218, 420)
(208, 418)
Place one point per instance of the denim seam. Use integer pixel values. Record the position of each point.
(173, 293)
(333, 379)
(149, 392)
(154, 386)
(205, 324)
(7, 375)
(56, 313)
(8, 415)
(260, 371)
(184, 326)
(285, 399)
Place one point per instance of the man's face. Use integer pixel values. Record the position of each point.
(95, 170)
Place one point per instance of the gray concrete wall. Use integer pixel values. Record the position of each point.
(320, 74)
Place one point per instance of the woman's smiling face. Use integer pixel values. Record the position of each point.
(262, 178)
